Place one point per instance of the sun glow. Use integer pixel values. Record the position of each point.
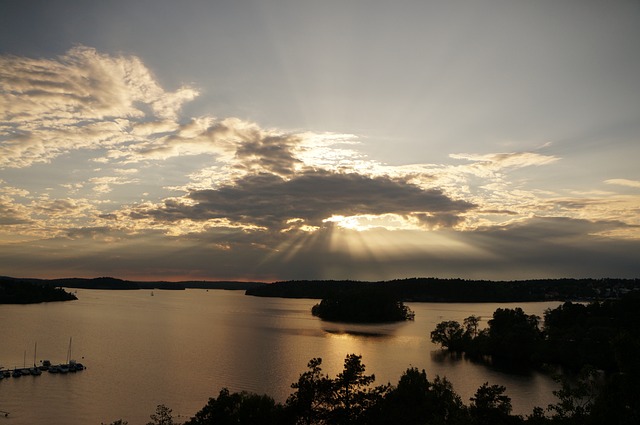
(364, 222)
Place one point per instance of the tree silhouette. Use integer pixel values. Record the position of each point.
(309, 404)
(448, 334)
(162, 416)
(351, 393)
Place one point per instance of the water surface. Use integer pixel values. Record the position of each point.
(181, 347)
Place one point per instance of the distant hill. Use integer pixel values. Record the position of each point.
(17, 291)
(120, 284)
(458, 290)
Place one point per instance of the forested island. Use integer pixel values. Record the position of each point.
(16, 291)
(361, 306)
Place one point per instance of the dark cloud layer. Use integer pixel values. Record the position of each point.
(269, 201)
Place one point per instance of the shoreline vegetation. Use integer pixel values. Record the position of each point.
(351, 398)
(404, 290)
(602, 335)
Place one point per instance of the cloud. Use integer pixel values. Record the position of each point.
(243, 146)
(494, 162)
(11, 214)
(624, 182)
(213, 195)
(272, 202)
(81, 100)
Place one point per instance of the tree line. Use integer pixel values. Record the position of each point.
(456, 290)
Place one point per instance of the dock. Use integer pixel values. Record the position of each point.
(70, 367)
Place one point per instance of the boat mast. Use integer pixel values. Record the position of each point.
(69, 351)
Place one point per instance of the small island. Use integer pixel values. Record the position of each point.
(16, 291)
(362, 307)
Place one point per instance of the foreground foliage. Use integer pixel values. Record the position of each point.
(350, 398)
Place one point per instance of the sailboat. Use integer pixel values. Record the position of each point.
(35, 370)
(72, 365)
(64, 368)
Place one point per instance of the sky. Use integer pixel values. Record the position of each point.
(275, 140)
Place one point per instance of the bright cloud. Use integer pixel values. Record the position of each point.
(82, 100)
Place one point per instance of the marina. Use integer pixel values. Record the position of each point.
(62, 368)
(45, 366)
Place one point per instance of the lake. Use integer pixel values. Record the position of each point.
(181, 347)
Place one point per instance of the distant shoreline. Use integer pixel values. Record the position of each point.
(407, 290)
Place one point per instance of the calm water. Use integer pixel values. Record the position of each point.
(181, 347)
